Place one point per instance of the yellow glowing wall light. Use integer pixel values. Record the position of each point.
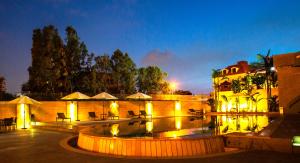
(115, 129)
(114, 108)
(177, 108)
(149, 126)
(23, 118)
(72, 110)
(149, 108)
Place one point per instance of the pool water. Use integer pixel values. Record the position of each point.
(173, 127)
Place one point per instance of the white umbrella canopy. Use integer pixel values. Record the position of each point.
(104, 96)
(24, 100)
(76, 96)
(139, 96)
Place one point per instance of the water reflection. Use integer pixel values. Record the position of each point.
(115, 129)
(178, 121)
(241, 124)
(185, 126)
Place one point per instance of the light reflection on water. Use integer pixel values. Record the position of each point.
(185, 126)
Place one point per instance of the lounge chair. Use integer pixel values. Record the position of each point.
(92, 115)
(111, 115)
(131, 114)
(195, 112)
(62, 117)
(143, 113)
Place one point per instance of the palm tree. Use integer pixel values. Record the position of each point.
(273, 103)
(256, 100)
(216, 84)
(211, 103)
(226, 100)
(268, 64)
(237, 87)
(259, 80)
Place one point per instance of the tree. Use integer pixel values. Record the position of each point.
(75, 52)
(267, 61)
(150, 79)
(3, 94)
(103, 69)
(216, 85)
(211, 103)
(183, 92)
(124, 72)
(226, 100)
(237, 87)
(259, 80)
(2, 84)
(47, 61)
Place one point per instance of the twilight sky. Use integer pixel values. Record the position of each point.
(185, 38)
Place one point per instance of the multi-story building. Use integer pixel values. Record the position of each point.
(241, 88)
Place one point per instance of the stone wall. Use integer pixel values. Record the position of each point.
(47, 110)
(7, 110)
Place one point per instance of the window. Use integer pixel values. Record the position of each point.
(234, 70)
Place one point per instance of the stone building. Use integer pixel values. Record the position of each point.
(288, 70)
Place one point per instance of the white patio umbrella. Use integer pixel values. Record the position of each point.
(139, 96)
(104, 96)
(24, 100)
(76, 96)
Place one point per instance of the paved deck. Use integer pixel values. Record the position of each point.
(37, 145)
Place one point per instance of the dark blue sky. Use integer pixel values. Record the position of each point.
(185, 38)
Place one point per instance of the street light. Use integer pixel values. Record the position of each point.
(173, 86)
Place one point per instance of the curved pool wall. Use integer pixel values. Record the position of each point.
(150, 147)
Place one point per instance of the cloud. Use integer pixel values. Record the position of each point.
(192, 69)
(158, 58)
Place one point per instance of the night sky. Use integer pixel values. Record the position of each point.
(185, 38)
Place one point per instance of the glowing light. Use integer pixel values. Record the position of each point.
(178, 123)
(173, 86)
(281, 110)
(23, 118)
(223, 109)
(149, 126)
(243, 106)
(115, 129)
(114, 108)
(149, 108)
(72, 110)
(177, 108)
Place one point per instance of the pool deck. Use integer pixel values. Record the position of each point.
(39, 145)
(35, 145)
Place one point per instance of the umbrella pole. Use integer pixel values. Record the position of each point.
(77, 111)
(102, 110)
(24, 127)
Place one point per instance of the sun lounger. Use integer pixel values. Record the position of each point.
(92, 115)
(111, 115)
(143, 113)
(62, 117)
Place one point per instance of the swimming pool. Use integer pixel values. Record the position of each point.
(168, 136)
